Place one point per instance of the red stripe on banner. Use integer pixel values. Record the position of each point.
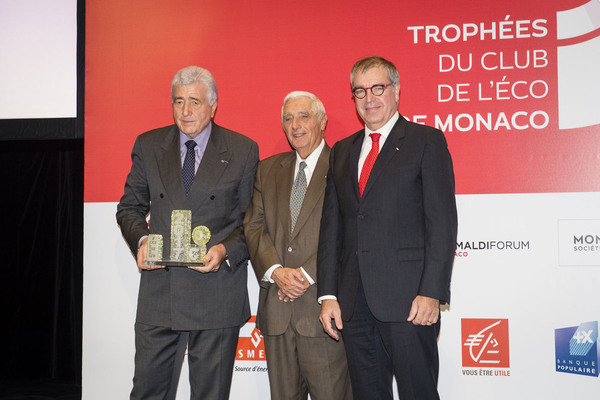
(579, 39)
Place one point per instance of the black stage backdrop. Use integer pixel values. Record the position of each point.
(41, 250)
(41, 244)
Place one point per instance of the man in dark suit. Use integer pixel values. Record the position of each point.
(205, 306)
(282, 232)
(387, 241)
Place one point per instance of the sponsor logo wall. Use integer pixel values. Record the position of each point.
(514, 85)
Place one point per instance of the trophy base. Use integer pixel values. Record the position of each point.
(167, 263)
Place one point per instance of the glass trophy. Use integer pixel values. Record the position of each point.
(183, 252)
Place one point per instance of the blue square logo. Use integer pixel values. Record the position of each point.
(577, 349)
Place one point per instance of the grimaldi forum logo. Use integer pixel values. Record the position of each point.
(466, 247)
(577, 349)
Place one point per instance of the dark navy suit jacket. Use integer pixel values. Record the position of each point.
(181, 298)
(400, 236)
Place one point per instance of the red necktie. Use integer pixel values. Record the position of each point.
(369, 161)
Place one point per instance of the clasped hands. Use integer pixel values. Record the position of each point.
(291, 282)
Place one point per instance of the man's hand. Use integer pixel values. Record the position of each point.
(330, 309)
(213, 259)
(141, 256)
(424, 311)
(291, 282)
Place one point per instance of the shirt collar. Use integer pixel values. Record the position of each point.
(311, 160)
(385, 129)
(201, 140)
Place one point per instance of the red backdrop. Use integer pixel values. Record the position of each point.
(259, 51)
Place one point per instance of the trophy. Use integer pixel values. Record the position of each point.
(183, 252)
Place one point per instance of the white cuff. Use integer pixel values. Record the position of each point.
(326, 297)
(267, 275)
(310, 280)
(140, 241)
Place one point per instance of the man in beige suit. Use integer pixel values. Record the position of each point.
(282, 233)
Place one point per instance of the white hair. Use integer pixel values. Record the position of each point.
(194, 74)
(317, 106)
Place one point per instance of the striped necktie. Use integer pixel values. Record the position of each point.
(297, 196)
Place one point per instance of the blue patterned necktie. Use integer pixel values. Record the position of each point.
(297, 196)
(189, 166)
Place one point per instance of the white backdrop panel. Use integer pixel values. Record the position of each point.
(525, 285)
(38, 53)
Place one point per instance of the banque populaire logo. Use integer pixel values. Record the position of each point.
(485, 347)
(577, 349)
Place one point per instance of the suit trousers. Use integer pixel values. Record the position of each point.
(377, 351)
(299, 365)
(158, 358)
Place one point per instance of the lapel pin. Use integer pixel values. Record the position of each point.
(224, 162)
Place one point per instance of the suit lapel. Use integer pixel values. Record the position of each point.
(354, 156)
(214, 163)
(315, 190)
(169, 166)
(387, 152)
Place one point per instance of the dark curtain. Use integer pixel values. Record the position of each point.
(41, 250)
(41, 259)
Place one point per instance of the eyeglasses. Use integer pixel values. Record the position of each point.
(376, 90)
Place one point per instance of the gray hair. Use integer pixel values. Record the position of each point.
(193, 74)
(317, 106)
(367, 63)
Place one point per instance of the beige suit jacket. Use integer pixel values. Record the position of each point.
(267, 230)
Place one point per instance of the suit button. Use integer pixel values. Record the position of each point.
(360, 216)
(289, 249)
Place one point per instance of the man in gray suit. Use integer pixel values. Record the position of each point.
(205, 306)
(282, 232)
